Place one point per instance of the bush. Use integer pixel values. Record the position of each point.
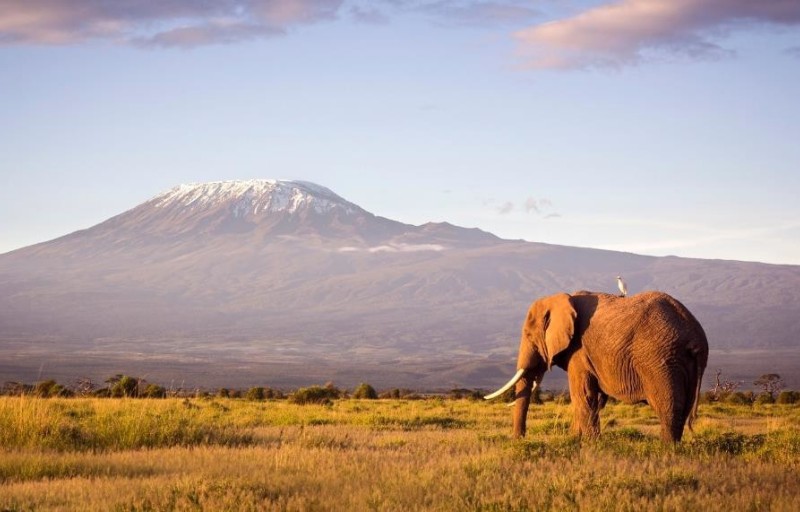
(259, 393)
(460, 393)
(50, 388)
(315, 395)
(16, 388)
(399, 393)
(365, 391)
(737, 397)
(123, 386)
(154, 391)
(764, 398)
(256, 393)
(788, 397)
(273, 393)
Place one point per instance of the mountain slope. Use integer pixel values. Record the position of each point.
(270, 272)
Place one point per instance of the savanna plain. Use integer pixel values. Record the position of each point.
(389, 454)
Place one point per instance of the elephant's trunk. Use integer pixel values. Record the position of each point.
(524, 388)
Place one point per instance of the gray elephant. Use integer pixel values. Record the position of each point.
(644, 348)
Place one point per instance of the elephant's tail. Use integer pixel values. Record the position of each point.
(693, 414)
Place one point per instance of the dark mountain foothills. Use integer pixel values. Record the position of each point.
(286, 283)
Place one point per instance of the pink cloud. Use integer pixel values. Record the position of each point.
(163, 23)
(624, 32)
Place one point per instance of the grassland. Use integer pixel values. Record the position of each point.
(232, 454)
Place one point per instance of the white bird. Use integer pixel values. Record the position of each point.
(622, 286)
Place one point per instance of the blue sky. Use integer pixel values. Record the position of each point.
(651, 126)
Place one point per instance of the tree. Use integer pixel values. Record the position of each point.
(722, 388)
(365, 391)
(154, 391)
(124, 386)
(84, 386)
(256, 393)
(771, 383)
(49, 388)
(315, 395)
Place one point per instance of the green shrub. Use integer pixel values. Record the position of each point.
(461, 393)
(737, 397)
(123, 386)
(154, 391)
(256, 393)
(390, 394)
(49, 389)
(764, 398)
(788, 397)
(399, 393)
(315, 395)
(12, 388)
(365, 391)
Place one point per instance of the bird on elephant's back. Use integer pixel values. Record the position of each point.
(643, 348)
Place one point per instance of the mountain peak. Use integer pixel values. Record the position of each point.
(253, 197)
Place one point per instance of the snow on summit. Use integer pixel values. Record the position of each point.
(252, 197)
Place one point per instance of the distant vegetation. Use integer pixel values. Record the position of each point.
(125, 386)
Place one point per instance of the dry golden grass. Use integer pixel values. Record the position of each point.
(91, 454)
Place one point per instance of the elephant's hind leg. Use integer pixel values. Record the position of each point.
(671, 406)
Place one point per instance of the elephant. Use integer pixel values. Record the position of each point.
(645, 348)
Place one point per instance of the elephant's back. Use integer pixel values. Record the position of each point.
(651, 317)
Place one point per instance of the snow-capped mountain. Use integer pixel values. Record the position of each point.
(253, 197)
(252, 276)
(266, 206)
(258, 213)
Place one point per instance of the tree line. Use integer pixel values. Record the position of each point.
(125, 386)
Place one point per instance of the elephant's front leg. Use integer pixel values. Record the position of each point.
(585, 396)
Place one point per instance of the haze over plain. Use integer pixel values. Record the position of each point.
(233, 283)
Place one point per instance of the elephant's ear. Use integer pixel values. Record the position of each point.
(559, 321)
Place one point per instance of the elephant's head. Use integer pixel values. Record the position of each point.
(547, 332)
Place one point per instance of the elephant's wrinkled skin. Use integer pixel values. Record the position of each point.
(645, 348)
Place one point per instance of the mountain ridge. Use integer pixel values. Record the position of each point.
(337, 288)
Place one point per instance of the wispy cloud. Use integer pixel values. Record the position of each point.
(536, 205)
(626, 32)
(505, 208)
(794, 51)
(393, 248)
(369, 15)
(477, 13)
(531, 206)
(473, 13)
(182, 23)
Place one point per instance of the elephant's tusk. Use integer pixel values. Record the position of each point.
(512, 404)
(508, 385)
